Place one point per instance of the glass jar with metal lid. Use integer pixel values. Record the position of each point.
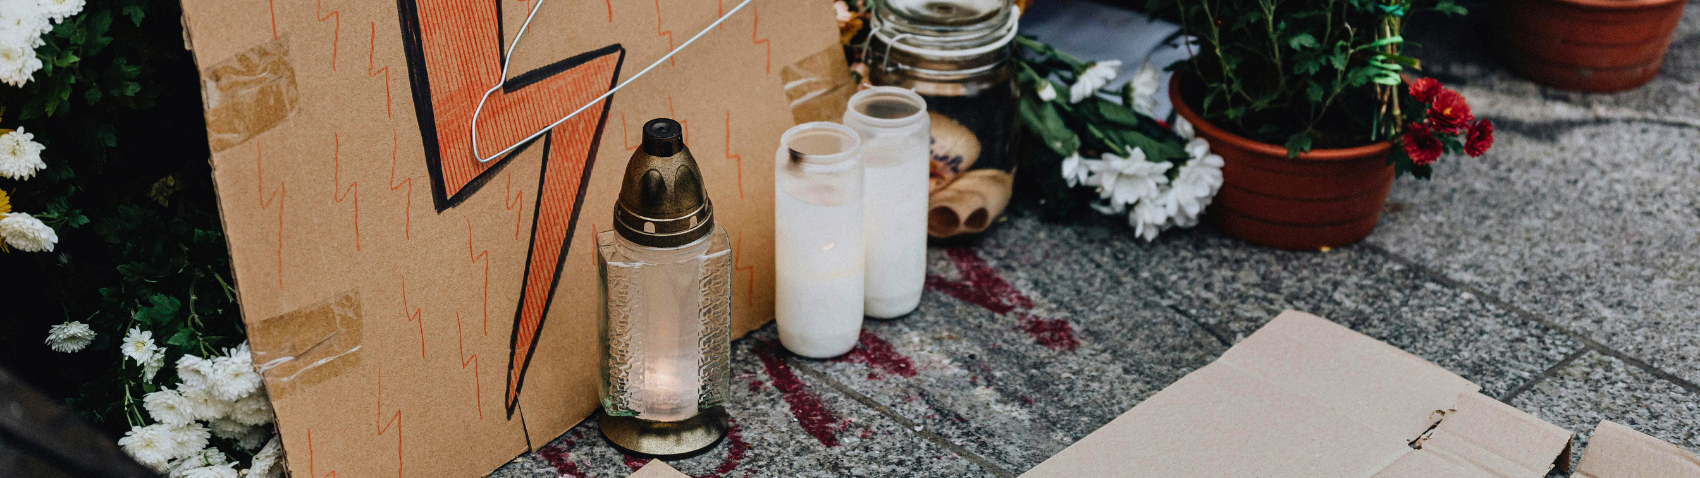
(956, 54)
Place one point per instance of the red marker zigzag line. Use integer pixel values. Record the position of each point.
(417, 315)
(336, 34)
(385, 427)
(407, 213)
(370, 73)
(353, 188)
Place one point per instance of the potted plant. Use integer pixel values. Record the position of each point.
(1587, 45)
(1309, 105)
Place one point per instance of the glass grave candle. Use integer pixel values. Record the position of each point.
(665, 272)
(894, 127)
(818, 249)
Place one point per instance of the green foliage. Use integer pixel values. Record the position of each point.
(128, 191)
(1303, 73)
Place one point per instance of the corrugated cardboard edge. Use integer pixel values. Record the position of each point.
(657, 469)
(1617, 451)
(1482, 434)
(1463, 431)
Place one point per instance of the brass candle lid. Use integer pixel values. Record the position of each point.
(663, 202)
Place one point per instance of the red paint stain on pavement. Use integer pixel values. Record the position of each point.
(633, 462)
(981, 285)
(556, 455)
(735, 451)
(1054, 333)
(880, 355)
(811, 413)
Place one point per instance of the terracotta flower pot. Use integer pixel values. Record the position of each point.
(1588, 45)
(1323, 198)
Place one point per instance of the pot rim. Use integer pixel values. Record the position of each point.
(1617, 5)
(1205, 128)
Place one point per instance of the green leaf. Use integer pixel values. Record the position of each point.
(1450, 8)
(183, 339)
(1298, 143)
(92, 95)
(1302, 41)
(1383, 42)
(161, 309)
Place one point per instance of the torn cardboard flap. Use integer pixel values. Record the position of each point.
(1617, 451)
(657, 469)
(1307, 398)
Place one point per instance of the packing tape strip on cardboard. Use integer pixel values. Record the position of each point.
(308, 346)
(819, 86)
(248, 94)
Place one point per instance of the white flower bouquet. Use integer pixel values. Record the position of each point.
(1103, 148)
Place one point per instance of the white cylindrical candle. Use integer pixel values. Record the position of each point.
(895, 133)
(818, 243)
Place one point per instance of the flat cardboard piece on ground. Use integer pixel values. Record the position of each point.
(1307, 398)
(1617, 451)
(419, 313)
(657, 469)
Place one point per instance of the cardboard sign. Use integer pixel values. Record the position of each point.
(1307, 398)
(1616, 451)
(418, 312)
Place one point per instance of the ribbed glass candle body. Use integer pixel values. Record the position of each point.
(893, 125)
(818, 243)
(667, 321)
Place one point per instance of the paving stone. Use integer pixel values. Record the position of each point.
(1589, 225)
(1599, 387)
(1048, 346)
(1233, 288)
(777, 414)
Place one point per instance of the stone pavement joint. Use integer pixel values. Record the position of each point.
(1549, 372)
(1588, 343)
(900, 419)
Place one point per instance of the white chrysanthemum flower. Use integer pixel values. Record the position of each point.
(206, 406)
(241, 354)
(18, 64)
(1145, 84)
(138, 345)
(190, 438)
(226, 428)
(201, 459)
(1047, 92)
(153, 445)
(1184, 128)
(1197, 148)
(27, 233)
(1094, 78)
(232, 378)
(69, 337)
(1076, 169)
(193, 372)
(215, 471)
(1126, 180)
(20, 155)
(253, 438)
(265, 463)
(154, 363)
(254, 409)
(22, 23)
(1193, 188)
(169, 407)
(59, 10)
(1148, 219)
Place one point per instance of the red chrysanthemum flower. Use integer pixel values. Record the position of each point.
(1479, 139)
(1423, 89)
(1449, 113)
(1421, 145)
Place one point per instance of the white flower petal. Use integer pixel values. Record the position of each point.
(27, 233)
(69, 337)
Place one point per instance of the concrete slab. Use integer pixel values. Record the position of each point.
(1599, 387)
(786, 424)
